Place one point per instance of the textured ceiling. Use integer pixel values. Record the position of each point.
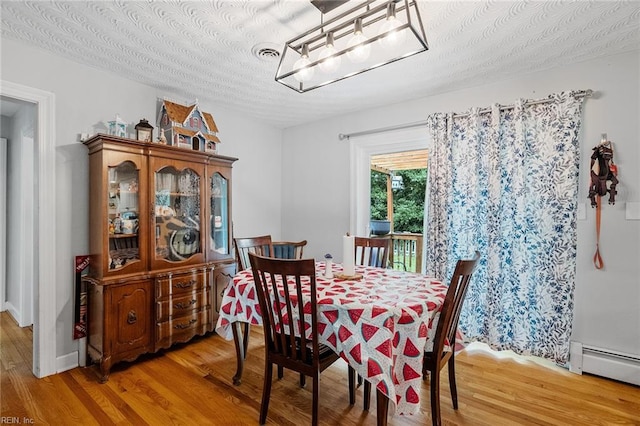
(205, 49)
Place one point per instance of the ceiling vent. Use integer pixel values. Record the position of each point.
(266, 51)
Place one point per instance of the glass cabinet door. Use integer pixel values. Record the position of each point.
(177, 214)
(123, 215)
(219, 237)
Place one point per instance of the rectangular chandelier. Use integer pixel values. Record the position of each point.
(370, 35)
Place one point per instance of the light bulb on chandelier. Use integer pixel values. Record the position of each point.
(329, 62)
(305, 72)
(361, 51)
(394, 36)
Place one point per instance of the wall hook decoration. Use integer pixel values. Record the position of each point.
(603, 171)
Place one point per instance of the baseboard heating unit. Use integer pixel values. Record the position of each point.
(605, 362)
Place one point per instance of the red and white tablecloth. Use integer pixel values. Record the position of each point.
(380, 324)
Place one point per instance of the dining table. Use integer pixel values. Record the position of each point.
(380, 321)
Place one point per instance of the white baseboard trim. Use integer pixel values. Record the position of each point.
(605, 362)
(15, 313)
(67, 362)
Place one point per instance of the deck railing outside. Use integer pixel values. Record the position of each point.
(406, 253)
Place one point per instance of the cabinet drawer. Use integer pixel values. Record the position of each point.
(180, 284)
(183, 328)
(180, 305)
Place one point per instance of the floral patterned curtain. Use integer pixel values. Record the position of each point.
(506, 183)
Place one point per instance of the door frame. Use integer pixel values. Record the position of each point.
(3, 223)
(44, 295)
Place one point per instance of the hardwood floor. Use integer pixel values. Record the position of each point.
(191, 385)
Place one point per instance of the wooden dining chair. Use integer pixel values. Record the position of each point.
(259, 245)
(289, 249)
(264, 246)
(372, 251)
(444, 343)
(283, 347)
(444, 340)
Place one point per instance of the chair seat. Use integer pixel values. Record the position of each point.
(326, 355)
(324, 352)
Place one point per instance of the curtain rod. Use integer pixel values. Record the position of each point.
(579, 94)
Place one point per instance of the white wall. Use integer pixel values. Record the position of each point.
(607, 303)
(86, 98)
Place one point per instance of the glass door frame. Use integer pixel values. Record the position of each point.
(114, 159)
(156, 164)
(225, 173)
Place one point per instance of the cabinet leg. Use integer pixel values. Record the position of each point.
(240, 352)
(105, 370)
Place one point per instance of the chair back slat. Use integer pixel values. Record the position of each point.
(304, 355)
(280, 282)
(267, 310)
(371, 251)
(258, 245)
(289, 249)
(452, 306)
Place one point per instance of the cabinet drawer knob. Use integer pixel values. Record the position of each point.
(186, 284)
(181, 305)
(132, 317)
(183, 326)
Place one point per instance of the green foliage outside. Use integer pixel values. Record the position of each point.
(408, 203)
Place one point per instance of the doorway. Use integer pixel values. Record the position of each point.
(398, 183)
(398, 197)
(18, 211)
(362, 149)
(43, 251)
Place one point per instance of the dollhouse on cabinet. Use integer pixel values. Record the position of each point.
(187, 127)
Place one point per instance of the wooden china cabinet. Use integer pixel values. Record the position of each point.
(160, 245)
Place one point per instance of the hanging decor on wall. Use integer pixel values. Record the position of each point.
(370, 35)
(603, 171)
